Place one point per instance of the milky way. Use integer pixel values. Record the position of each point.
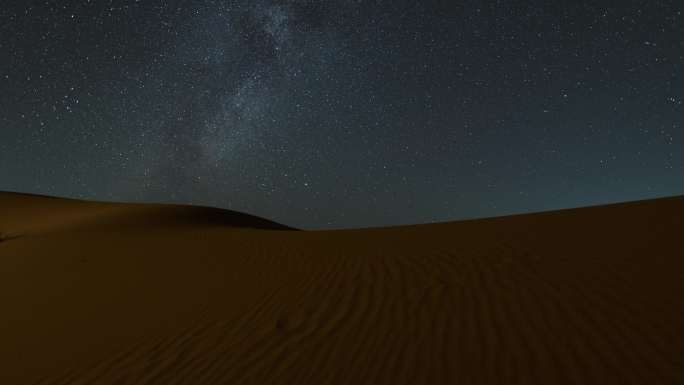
(344, 113)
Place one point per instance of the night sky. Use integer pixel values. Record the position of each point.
(344, 113)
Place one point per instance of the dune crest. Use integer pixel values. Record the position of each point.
(99, 293)
(26, 213)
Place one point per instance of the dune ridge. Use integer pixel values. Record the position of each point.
(99, 293)
(59, 214)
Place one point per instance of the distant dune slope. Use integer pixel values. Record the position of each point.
(25, 213)
(96, 293)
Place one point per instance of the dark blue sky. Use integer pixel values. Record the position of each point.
(344, 113)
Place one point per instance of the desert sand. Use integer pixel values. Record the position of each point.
(103, 293)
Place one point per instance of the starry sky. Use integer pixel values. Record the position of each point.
(344, 113)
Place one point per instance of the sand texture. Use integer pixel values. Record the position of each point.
(97, 293)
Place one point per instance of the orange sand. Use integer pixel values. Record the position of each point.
(97, 293)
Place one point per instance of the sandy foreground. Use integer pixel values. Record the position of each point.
(97, 293)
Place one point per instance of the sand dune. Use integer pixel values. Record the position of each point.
(97, 293)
